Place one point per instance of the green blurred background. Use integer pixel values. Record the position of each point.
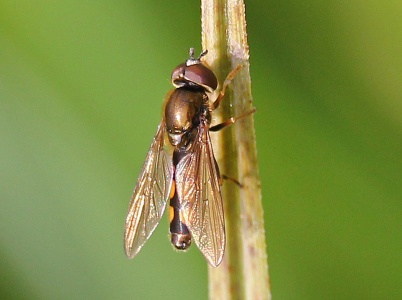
(81, 87)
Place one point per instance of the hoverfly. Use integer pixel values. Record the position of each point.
(187, 173)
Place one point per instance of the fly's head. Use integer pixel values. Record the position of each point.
(193, 73)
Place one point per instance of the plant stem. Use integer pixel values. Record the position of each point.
(243, 273)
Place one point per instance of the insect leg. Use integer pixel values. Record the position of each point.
(222, 125)
(235, 181)
(231, 121)
(226, 83)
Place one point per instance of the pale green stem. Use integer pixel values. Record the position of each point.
(243, 273)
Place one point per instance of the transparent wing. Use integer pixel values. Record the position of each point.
(198, 188)
(150, 195)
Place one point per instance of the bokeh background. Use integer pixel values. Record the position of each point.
(81, 87)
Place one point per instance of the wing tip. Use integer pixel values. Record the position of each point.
(214, 261)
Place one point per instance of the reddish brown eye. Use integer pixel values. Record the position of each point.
(195, 74)
(178, 75)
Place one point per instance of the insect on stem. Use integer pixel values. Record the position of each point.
(188, 176)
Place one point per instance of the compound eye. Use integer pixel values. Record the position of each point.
(201, 75)
(194, 75)
(178, 79)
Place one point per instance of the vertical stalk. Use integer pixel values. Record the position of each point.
(243, 273)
